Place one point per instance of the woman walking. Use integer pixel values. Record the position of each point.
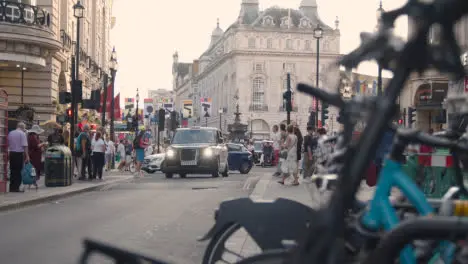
(140, 144)
(289, 166)
(35, 149)
(99, 150)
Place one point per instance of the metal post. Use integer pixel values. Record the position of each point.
(220, 123)
(112, 113)
(158, 138)
(22, 84)
(206, 121)
(77, 70)
(288, 87)
(104, 104)
(317, 83)
(71, 142)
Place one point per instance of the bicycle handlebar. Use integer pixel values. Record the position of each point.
(330, 98)
(418, 137)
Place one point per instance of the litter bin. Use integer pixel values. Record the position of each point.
(58, 166)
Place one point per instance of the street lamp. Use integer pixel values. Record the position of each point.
(318, 34)
(113, 65)
(137, 97)
(220, 112)
(380, 11)
(78, 13)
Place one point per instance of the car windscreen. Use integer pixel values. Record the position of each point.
(194, 136)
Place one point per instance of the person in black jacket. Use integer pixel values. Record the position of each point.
(300, 140)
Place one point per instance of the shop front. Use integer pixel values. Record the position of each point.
(428, 101)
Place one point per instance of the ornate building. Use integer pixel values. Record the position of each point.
(249, 61)
(426, 93)
(37, 41)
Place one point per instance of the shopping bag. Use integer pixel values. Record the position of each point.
(28, 174)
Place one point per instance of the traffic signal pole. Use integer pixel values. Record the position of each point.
(71, 142)
(288, 98)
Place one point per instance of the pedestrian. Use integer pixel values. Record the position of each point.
(99, 149)
(310, 143)
(300, 140)
(35, 149)
(121, 151)
(139, 144)
(76, 171)
(322, 152)
(289, 166)
(128, 154)
(83, 151)
(110, 153)
(282, 152)
(18, 155)
(56, 138)
(276, 138)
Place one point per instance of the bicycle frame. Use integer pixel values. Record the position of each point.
(381, 213)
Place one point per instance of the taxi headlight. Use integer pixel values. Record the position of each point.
(170, 153)
(208, 153)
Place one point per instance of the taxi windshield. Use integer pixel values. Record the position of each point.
(191, 136)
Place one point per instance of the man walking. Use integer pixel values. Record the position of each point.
(83, 151)
(18, 153)
(310, 143)
(275, 137)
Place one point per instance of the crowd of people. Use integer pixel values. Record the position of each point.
(94, 152)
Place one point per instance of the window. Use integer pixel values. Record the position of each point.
(289, 43)
(251, 43)
(269, 43)
(307, 45)
(258, 67)
(258, 93)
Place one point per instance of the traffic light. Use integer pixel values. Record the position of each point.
(69, 116)
(287, 96)
(65, 98)
(324, 112)
(400, 122)
(77, 86)
(173, 120)
(411, 116)
(161, 119)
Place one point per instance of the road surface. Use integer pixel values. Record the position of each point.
(155, 216)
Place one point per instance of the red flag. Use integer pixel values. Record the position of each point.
(117, 114)
(108, 99)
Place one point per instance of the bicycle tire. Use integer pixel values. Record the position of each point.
(277, 256)
(212, 253)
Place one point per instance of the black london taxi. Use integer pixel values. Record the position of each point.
(196, 150)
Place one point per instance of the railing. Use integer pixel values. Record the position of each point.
(14, 12)
(258, 108)
(66, 39)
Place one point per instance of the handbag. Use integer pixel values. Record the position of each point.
(28, 174)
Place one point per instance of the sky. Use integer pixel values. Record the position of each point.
(148, 32)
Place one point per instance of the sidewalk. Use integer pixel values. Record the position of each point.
(9, 201)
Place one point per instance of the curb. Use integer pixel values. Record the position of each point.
(53, 197)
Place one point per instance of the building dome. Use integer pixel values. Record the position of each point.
(217, 32)
(308, 3)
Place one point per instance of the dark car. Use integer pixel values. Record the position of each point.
(239, 158)
(196, 150)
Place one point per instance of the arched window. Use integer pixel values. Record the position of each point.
(258, 94)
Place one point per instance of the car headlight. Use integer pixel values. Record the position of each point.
(208, 153)
(170, 153)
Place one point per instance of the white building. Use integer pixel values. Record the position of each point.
(36, 48)
(248, 64)
(160, 94)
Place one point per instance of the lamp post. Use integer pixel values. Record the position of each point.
(380, 11)
(78, 13)
(318, 34)
(22, 82)
(220, 112)
(137, 98)
(113, 69)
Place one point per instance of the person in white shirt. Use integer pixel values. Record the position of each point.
(110, 153)
(276, 138)
(121, 151)
(99, 149)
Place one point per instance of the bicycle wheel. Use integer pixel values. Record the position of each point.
(279, 256)
(217, 246)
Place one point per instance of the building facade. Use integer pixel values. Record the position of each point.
(247, 64)
(159, 94)
(36, 50)
(427, 92)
